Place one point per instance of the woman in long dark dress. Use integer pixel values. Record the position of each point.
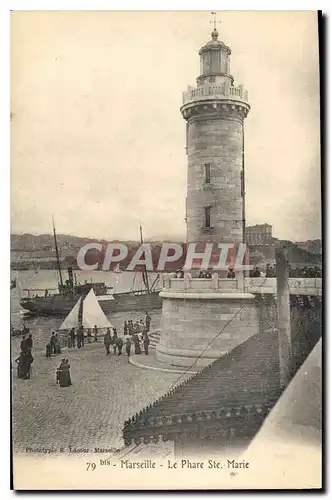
(57, 346)
(136, 344)
(64, 374)
(20, 365)
(29, 361)
(24, 362)
(58, 371)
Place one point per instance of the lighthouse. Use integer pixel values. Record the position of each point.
(203, 319)
(214, 111)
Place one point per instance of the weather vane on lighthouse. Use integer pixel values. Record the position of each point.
(214, 21)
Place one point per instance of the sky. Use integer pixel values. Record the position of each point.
(98, 140)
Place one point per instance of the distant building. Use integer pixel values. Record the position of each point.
(260, 234)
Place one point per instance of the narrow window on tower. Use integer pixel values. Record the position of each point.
(207, 211)
(207, 167)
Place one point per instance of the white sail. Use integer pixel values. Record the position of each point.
(93, 313)
(71, 320)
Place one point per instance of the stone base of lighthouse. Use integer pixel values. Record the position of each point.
(192, 320)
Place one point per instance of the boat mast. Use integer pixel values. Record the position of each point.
(57, 253)
(145, 273)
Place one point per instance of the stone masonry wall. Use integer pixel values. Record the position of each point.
(189, 325)
(218, 141)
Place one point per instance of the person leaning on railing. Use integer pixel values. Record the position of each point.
(179, 273)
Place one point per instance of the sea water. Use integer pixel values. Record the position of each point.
(41, 327)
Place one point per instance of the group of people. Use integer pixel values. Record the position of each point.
(137, 340)
(113, 340)
(77, 338)
(305, 272)
(136, 333)
(25, 359)
(296, 272)
(139, 326)
(255, 273)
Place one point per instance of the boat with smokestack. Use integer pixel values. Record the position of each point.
(143, 296)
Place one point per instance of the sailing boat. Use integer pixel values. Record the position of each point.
(69, 291)
(143, 298)
(87, 313)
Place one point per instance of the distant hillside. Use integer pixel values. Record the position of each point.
(26, 242)
(295, 255)
(31, 242)
(27, 249)
(312, 246)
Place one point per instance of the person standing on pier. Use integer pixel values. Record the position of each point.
(52, 342)
(125, 328)
(136, 344)
(147, 321)
(231, 273)
(72, 337)
(119, 345)
(48, 350)
(80, 337)
(64, 376)
(128, 347)
(146, 342)
(58, 370)
(107, 341)
(114, 340)
(24, 361)
(29, 342)
(72, 334)
(20, 365)
(57, 346)
(130, 327)
(23, 345)
(95, 333)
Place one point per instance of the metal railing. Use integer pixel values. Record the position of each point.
(298, 286)
(208, 91)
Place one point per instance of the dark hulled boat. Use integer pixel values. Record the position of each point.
(59, 304)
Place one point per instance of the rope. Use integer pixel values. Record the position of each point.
(212, 340)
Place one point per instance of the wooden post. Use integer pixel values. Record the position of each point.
(283, 318)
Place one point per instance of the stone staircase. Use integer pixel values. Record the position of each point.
(154, 337)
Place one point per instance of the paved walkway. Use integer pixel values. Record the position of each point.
(106, 391)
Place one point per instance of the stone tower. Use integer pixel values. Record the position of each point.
(205, 318)
(215, 111)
